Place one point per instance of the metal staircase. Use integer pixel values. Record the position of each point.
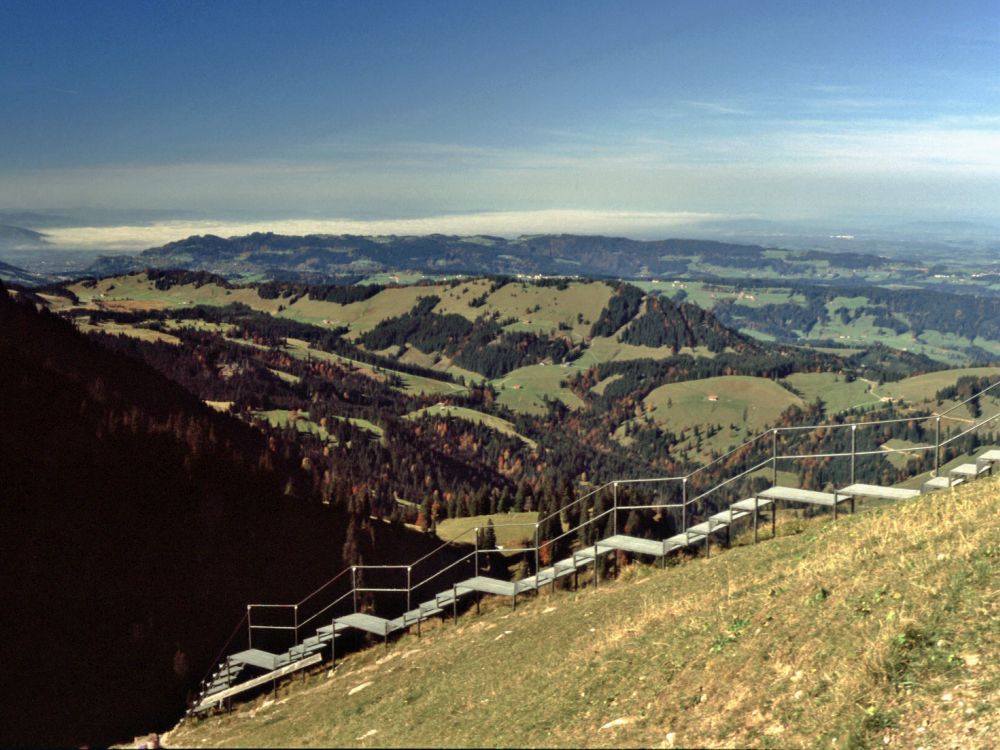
(314, 624)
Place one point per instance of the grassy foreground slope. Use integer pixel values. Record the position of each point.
(879, 629)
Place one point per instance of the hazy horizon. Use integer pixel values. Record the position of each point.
(607, 120)
(108, 234)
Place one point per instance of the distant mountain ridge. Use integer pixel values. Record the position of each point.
(12, 237)
(314, 256)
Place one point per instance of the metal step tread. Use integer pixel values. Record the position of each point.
(488, 585)
(257, 658)
(969, 471)
(728, 516)
(708, 527)
(634, 544)
(678, 541)
(748, 504)
(940, 483)
(796, 495)
(336, 630)
(367, 623)
(874, 490)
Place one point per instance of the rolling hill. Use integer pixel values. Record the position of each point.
(315, 256)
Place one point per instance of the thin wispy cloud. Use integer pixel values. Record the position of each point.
(832, 88)
(717, 108)
(857, 103)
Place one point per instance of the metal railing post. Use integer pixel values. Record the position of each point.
(409, 587)
(854, 431)
(774, 457)
(477, 551)
(296, 631)
(249, 627)
(937, 446)
(354, 587)
(614, 512)
(536, 555)
(684, 504)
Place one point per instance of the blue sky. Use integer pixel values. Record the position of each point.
(380, 110)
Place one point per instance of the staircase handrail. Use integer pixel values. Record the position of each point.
(417, 585)
(771, 460)
(567, 506)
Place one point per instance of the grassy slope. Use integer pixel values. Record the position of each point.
(511, 529)
(687, 404)
(923, 387)
(837, 394)
(461, 412)
(783, 644)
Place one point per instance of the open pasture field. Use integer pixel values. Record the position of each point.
(125, 329)
(837, 394)
(525, 388)
(281, 418)
(737, 399)
(921, 388)
(511, 528)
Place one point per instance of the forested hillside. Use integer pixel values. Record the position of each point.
(136, 525)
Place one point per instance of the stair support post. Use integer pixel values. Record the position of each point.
(477, 551)
(774, 456)
(597, 560)
(756, 503)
